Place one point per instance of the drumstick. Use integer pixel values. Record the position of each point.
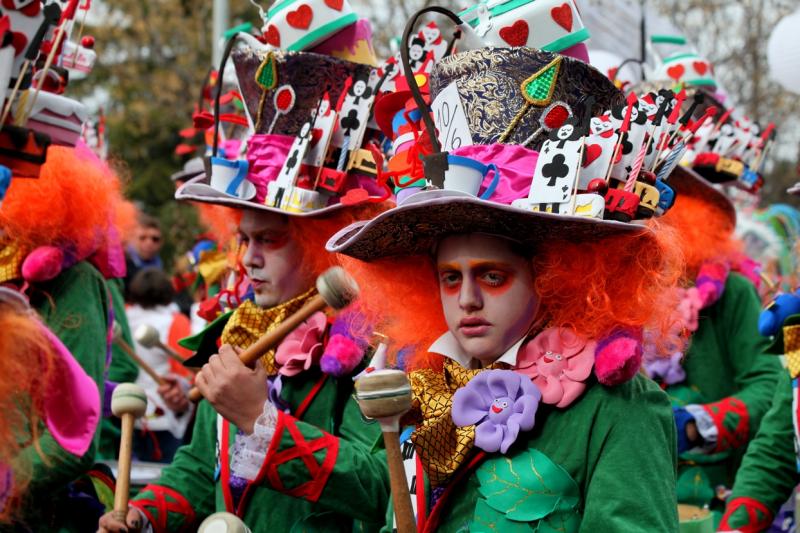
(385, 395)
(147, 336)
(336, 289)
(128, 402)
(119, 341)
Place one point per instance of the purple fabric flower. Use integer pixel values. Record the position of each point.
(667, 369)
(499, 403)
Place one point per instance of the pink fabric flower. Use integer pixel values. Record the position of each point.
(558, 361)
(302, 347)
(688, 312)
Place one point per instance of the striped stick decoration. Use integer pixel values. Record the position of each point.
(637, 166)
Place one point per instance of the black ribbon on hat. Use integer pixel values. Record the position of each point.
(435, 164)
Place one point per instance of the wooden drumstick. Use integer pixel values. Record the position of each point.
(385, 395)
(128, 402)
(336, 289)
(119, 341)
(147, 336)
(223, 522)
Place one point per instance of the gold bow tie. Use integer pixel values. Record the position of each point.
(249, 322)
(791, 347)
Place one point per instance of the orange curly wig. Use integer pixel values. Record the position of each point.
(589, 287)
(23, 381)
(705, 233)
(74, 203)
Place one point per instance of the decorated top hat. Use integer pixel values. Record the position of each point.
(497, 97)
(306, 158)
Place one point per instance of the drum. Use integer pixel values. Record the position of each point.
(695, 519)
(142, 473)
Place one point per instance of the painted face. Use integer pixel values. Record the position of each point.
(487, 294)
(305, 129)
(600, 125)
(415, 52)
(271, 258)
(565, 132)
(647, 108)
(359, 87)
(430, 34)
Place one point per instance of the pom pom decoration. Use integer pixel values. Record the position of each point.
(618, 357)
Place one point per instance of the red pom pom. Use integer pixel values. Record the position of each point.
(87, 41)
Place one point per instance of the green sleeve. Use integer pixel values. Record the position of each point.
(737, 417)
(351, 477)
(186, 489)
(632, 460)
(122, 369)
(769, 469)
(76, 310)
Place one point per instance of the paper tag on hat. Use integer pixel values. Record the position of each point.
(557, 167)
(452, 127)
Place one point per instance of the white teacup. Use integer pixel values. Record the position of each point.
(466, 175)
(230, 177)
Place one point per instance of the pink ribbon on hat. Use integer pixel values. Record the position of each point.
(515, 163)
(266, 154)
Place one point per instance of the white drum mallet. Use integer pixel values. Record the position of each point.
(223, 523)
(148, 336)
(128, 402)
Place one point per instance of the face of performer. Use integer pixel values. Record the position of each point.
(487, 293)
(271, 258)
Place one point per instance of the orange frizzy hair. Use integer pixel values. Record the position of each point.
(591, 288)
(73, 203)
(221, 221)
(23, 378)
(311, 234)
(705, 233)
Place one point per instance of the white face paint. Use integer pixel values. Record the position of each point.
(487, 294)
(271, 258)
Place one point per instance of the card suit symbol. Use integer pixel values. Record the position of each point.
(273, 36)
(29, 8)
(19, 41)
(300, 18)
(701, 67)
(591, 153)
(563, 16)
(335, 4)
(516, 34)
(284, 99)
(676, 72)
(316, 135)
(555, 169)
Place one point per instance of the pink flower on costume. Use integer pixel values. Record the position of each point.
(302, 347)
(558, 361)
(691, 301)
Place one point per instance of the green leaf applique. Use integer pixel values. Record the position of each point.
(526, 492)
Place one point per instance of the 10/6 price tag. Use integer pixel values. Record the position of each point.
(452, 127)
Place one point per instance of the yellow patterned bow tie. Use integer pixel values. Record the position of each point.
(12, 254)
(791, 347)
(249, 322)
(441, 445)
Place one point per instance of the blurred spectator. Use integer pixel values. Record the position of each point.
(143, 251)
(168, 411)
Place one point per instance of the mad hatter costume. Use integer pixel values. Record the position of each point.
(308, 460)
(518, 315)
(724, 383)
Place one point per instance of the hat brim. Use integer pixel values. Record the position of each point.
(686, 181)
(196, 190)
(182, 175)
(418, 224)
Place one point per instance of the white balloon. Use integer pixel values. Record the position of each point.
(783, 53)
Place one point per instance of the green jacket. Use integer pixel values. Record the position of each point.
(321, 473)
(730, 376)
(605, 463)
(74, 306)
(769, 469)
